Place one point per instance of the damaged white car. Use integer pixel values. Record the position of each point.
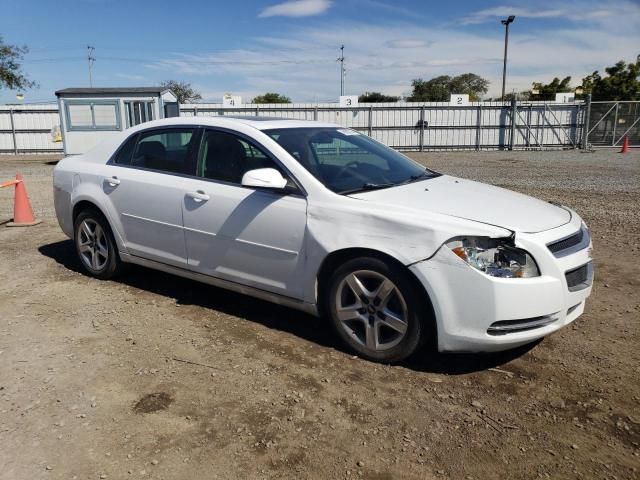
(328, 221)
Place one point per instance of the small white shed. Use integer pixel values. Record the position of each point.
(89, 115)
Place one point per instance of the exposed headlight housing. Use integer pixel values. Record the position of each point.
(497, 257)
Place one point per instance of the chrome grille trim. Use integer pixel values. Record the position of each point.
(504, 327)
(570, 244)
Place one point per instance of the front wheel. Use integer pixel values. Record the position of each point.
(95, 245)
(376, 309)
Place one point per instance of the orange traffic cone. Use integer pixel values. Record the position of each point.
(625, 145)
(22, 212)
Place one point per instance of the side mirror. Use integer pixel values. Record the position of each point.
(264, 178)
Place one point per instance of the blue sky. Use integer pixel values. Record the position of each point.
(248, 47)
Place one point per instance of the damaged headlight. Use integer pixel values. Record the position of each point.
(495, 257)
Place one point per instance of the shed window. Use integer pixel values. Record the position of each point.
(80, 115)
(105, 115)
(138, 112)
(93, 115)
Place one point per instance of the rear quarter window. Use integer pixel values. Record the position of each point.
(125, 152)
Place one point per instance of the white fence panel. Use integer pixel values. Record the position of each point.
(408, 126)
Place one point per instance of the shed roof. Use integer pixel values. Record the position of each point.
(111, 90)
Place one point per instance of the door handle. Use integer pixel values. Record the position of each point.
(198, 196)
(113, 181)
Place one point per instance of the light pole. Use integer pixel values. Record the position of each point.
(341, 60)
(506, 23)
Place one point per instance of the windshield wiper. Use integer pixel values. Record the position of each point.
(368, 186)
(425, 174)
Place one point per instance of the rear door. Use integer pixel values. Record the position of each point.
(146, 184)
(247, 235)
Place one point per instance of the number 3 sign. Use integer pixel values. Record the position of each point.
(349, 101)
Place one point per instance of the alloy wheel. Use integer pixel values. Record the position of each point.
(372, 310)
(92, 244)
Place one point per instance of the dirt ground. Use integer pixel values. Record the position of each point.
(153, 376)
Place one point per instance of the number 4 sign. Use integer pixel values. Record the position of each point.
(229, 100)
(459, 99)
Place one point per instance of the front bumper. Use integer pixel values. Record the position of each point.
(476, 312)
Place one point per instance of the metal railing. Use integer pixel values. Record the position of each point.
(436, 126)
(405, 126)
(27, 129)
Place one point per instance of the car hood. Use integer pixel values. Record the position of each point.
(473, 201)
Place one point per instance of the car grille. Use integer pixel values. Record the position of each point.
(505, 327)
(571, 244)
(580, 277)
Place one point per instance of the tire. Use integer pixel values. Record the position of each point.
(377, 310)
(95, 245)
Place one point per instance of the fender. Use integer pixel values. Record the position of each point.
(87, 189)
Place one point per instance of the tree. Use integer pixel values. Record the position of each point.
(11, 75)
(183, 90)
(621, 83)
(548, 91)
(271, 97)
(376, 97)
(439, 89)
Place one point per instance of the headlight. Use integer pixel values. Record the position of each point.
(495, 257)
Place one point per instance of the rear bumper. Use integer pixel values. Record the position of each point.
(476, 312)
(62, 205)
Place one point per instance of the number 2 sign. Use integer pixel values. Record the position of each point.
(458, 99)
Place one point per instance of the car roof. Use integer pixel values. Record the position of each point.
(257, 122)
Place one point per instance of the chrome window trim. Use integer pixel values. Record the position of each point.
(302, 192)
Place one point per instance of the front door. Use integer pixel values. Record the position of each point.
(146, 185)
(246, 235)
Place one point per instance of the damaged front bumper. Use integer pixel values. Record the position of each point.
(477, 312)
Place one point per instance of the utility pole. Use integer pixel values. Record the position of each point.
(506, 23)
(342, 74)
(91, 60)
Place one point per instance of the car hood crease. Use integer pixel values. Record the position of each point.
(473, 201)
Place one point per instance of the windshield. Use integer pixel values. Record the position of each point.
(346, 161)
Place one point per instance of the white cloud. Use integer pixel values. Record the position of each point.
(407, 43)
(301, 63)
(296, 8)
(590, 12)
(489, 14)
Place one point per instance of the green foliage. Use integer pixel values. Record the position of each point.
(376, 97)
(548, 91)
(439, 89)
(182, 90)
(621, 83)
(519, 96)
(271, 97)
(11, 75)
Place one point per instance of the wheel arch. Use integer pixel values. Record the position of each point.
(90, 204)
(334, 259)
(83, 205)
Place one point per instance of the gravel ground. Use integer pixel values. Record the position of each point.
(152, 376)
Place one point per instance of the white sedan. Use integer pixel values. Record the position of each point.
(326, 220)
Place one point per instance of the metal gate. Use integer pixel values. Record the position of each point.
(609, 122)
(438, 125)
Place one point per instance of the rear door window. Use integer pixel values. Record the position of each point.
(167, 150)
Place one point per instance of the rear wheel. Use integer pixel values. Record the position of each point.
(376, 309)
(95, 245)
